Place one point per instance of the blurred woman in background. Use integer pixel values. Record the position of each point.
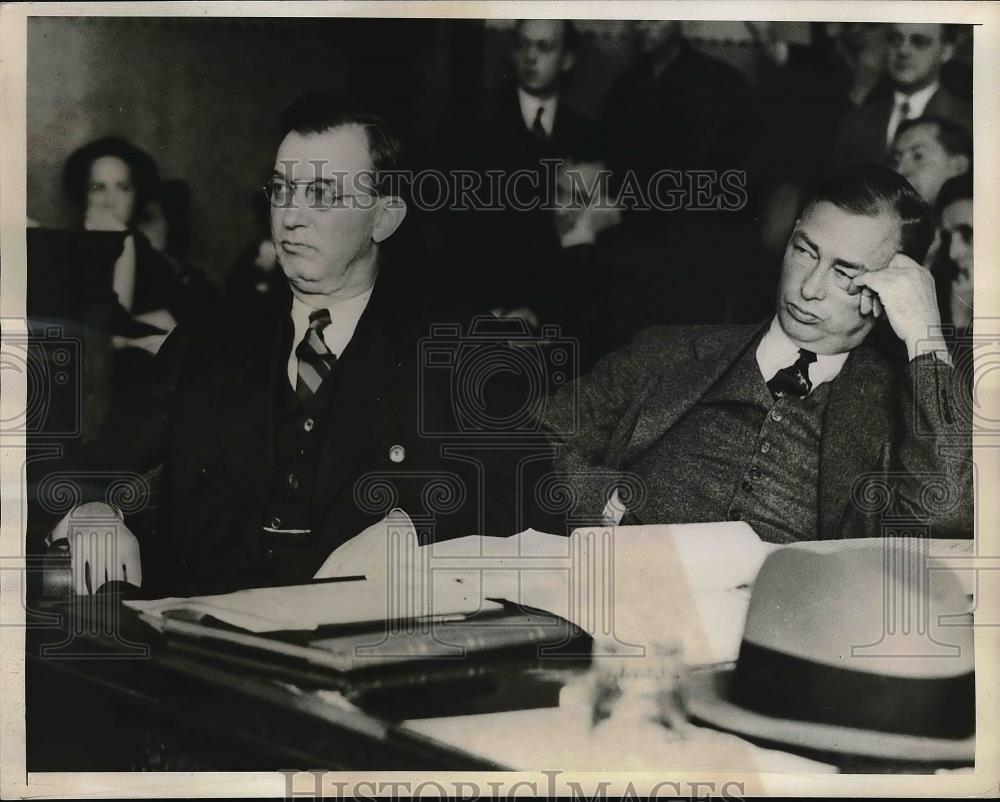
(113, 183)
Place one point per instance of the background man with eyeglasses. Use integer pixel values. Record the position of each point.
(917, 52)
(282, 437)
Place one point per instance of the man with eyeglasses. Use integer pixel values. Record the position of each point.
(840, 417)
(916, 54)
(283, 437)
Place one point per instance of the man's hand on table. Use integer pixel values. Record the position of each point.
(102, 548)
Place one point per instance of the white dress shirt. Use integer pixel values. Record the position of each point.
(344, 317)
(530, 106)
(918, 102)
(777, 351)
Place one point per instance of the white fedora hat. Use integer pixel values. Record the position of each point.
(865, 652)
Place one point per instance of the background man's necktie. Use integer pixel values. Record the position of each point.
(793, 380)
(315, 359)
(537, 129)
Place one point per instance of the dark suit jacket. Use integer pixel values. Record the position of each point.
(699, 113)
(896, 437)
(501, 138)
(862, 132)
(209, 420)
(494, 255)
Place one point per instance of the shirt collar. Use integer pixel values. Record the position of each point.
(530, 106)
(344, 317)
(776, 351)
(918, 100)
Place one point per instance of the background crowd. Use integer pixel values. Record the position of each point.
(776, 112)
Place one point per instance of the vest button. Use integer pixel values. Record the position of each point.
(755, 472)
(293, 481)
(308, 424)
(276, 522)
(765, 447)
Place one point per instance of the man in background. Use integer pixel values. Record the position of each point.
(928, 151)
(513, 131)
(916, 54)
(679, 109)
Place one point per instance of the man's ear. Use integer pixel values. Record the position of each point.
(566, 62)
(947, 52)
(391, 211)
(958, 164)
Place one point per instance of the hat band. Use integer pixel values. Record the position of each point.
(783, 686)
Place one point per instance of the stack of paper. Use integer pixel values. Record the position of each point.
(630, 585)
(306, 607)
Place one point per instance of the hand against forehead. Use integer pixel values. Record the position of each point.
(905, 290)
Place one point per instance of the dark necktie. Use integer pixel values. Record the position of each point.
(793, 380)
(904, 110)
(315, 359)
(537, 129)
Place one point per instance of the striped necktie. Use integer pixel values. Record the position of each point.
(315, 359)
(793, 380)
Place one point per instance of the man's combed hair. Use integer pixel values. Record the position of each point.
(317, 112)
(953, 138)
(871, 190)
(952, 190)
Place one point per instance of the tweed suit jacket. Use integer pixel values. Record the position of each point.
(895, 442)
(861, 137)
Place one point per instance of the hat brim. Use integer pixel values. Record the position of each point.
(707, 700)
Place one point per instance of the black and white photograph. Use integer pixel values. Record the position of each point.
(580, 401)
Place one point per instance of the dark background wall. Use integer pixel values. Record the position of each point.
(203, 95)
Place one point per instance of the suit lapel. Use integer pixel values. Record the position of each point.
(880, 127)
(679, 389)
(377, 373)
(856, 431)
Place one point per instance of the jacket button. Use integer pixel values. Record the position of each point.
(397, 453)
(293, 482)
(308, 424)
(765, 447)
(276, 522)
